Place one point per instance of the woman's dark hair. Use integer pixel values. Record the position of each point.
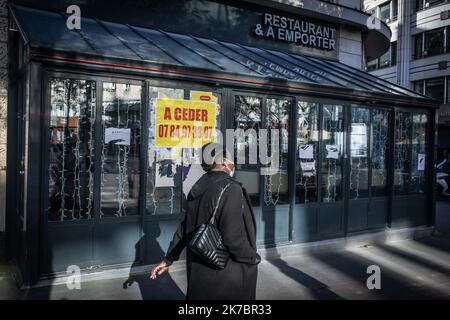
(212, 154)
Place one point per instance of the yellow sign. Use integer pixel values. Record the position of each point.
(184, 123)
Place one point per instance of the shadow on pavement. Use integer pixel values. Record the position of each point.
(394, 284)
(317, 289)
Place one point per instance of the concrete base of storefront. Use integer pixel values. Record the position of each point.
(8, 284)
(278, 252)
(2, 246)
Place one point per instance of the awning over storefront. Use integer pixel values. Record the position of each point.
(48, 36)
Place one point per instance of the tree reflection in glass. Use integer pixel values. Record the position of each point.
(380, 145)
(307, 151)
(401, 152)
(164, 172)
(71, 158)
(419, 151)
(121, 118)
(332, 150)
(359, 153)
(277, 118)
(248, 117)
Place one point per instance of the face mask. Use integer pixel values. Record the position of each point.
(231, 173)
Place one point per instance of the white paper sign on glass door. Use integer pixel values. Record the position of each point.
(332, 151)
(308, 168)
(120, 136)
(306, 152)
(359, 140)
(421, 162)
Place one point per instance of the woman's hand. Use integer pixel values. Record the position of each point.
(159, 270)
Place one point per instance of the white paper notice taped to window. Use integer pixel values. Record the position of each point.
(164, 174)
(120, 136)
(332, 151)
(308, 168)
(306, 151)
(421, 162)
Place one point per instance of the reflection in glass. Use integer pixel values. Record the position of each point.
(331, 152)
(380, 145)
(248, 116)
(359, 165)
(401, 152)
(277, 118)
(164, 172)
(121, 118)
(307, 151)
(434, 42)
(419, 151)
(71, 158)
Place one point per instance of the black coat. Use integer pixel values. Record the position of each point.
(236, 223)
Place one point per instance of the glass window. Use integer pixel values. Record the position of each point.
(164, 171)
(276, 184)
(419, 5)
(435, 88)
(385, 11)
(248, 118)
(395, 9)
(419, 153)
(191, 168)
(402, 152)
(423, 4)
(307, 152)
(433, 3)
(447, 31)
(332, 146)
(418, 46)
(379, 153)
(120, 173)
(419, 86)
(359, 154)
(434, 42)
(372, 65)
(385, 59)
(448, 90)
(172, 172)
(410, 153)
(71, 158)
(394, 53)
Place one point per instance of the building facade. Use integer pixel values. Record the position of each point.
(92, 180)
(3, 113)
(420, 52)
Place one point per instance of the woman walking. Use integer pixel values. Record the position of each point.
(235, 221)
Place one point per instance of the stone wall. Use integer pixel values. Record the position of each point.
(3, 106)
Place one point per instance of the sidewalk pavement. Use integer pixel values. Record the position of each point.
(410, 269)
(8, 288)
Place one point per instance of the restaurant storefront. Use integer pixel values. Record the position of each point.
(356, 152)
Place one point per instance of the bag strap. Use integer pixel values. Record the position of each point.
(211, 221)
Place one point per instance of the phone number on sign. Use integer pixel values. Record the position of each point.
(177, 131)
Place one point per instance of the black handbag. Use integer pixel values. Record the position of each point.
(207, 242)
